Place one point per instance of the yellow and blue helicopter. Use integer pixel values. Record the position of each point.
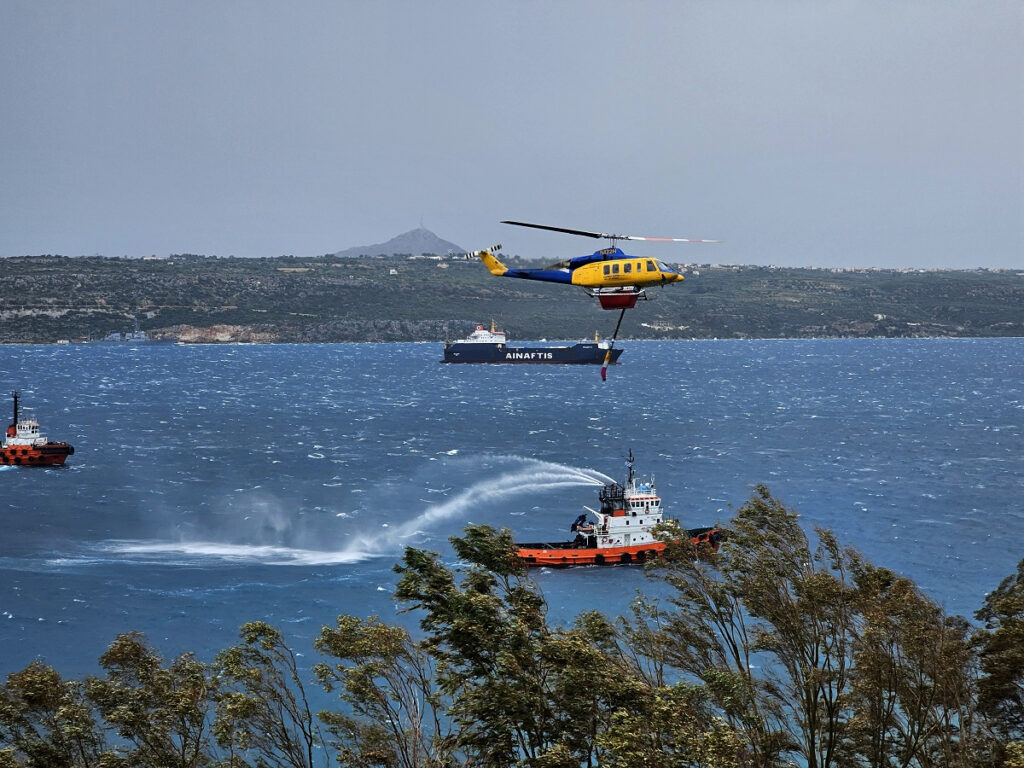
(616, 279)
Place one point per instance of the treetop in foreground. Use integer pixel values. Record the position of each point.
(782, 648)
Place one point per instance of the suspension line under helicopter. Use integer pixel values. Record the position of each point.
(611, 346)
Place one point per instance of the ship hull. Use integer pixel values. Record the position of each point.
(566, 554)
(47, 455)
(577, 354)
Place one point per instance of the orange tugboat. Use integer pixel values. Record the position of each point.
(623, 531)
(24, 445)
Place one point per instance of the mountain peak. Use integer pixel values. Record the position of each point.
(414, 242)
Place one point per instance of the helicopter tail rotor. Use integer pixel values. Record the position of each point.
(487, 257)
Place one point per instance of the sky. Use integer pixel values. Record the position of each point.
(843, 133)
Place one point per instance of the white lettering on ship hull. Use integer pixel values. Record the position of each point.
(529, 355)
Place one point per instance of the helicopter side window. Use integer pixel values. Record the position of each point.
(627, 267)
(651, 267)
(607, 269)
(615, 269)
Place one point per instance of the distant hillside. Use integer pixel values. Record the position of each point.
(415, 242)
(331, 299)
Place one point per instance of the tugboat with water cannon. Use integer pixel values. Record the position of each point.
(25, 446)
(622, 531)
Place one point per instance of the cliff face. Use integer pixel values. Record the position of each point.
(329, 299)
(214, 334)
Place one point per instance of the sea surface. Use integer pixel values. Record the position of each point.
(214, 485)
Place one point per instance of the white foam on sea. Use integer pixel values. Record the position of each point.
(186, 552)
(530, 476)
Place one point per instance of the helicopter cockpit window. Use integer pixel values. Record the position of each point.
(651, 267)
(665, 267)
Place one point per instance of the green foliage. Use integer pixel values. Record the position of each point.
(162, 712)
(262, 705)
(675, 728)
(1000, 649)
(328, 299)
(912, 678)
(46, 721)
(521, 692)
(776, 650)
(485, 635)
(1014, 755)
(806, 648)
(387, 680)
(1001, 692)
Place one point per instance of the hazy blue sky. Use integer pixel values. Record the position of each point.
(848, 133)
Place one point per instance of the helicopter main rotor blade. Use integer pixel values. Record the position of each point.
(557, 229)
(608, 236)
(663, 239)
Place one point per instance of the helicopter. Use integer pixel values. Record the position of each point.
(616, 279)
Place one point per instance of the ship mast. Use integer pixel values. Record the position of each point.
(12, 430)
(629, 463)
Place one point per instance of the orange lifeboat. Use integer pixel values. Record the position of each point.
(24, 445)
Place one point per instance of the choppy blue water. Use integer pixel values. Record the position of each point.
(213, 485)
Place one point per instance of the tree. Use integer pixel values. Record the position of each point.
(676, 728)
(485, 635)
(590, 681)
(912, 696)
(163, 712)
(803, 597)
(46, 721)
(1001, 652)
(709, 633)
(521, 693)
(262, 704)
(807, 648)
(766, 625)
(387, 680)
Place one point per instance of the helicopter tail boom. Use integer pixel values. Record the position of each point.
(497, 268)
(493, 265)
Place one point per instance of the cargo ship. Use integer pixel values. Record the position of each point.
(621, 532)
(24, 445)
(490, 346)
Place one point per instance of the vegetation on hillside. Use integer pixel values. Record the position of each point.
(330, 299)
(780, 649)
